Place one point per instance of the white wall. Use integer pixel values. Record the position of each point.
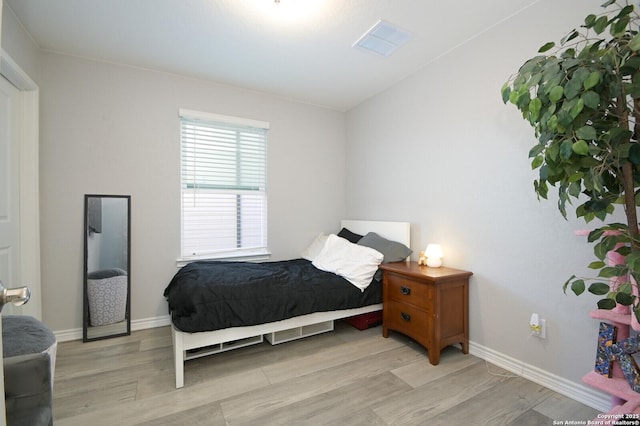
(18, 44)
(110, 129)
(441, 150)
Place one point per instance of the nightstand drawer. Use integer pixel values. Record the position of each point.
(406, 318)
(409, 291)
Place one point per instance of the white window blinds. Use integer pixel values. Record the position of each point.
(224, 194)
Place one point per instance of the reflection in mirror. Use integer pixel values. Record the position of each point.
(107, 266)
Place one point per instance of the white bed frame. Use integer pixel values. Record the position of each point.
(188, 346)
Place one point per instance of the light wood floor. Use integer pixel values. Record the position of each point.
(345, 377)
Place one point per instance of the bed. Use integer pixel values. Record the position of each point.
(209, 319)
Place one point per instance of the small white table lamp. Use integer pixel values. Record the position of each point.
(434, 255)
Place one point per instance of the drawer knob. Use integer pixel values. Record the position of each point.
(405, 316)
(405, 290)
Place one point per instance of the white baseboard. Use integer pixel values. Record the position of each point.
(145, 323)
(577, 391)
(140, 324)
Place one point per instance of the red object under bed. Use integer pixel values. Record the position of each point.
(364, 321)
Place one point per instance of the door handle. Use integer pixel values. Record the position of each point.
(405, 316)
(18, 296)
(405, 290)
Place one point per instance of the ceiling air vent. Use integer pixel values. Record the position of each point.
(383, 39)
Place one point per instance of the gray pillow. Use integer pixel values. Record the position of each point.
(393, 251)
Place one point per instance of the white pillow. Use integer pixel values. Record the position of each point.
(314, 249)
(355, 263)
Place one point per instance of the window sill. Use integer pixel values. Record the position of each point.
(245, 257)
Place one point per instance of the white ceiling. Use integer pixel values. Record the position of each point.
(298, 49)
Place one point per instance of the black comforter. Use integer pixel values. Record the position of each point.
(212, 295)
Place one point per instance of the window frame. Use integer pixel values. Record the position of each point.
(252, 254)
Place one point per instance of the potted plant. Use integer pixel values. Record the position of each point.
(583, 100)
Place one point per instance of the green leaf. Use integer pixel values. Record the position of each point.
(588, 162)
(619, 135)
(597, 264)
(523, 100)
(590, 21)
(599, 289)
(634, 153)
(623, 150)
(534, 107)
(577, 108)
(601, 251)
(586, 132)
(580, 147)
(569, 54)
(630, 65)
(566, 149)
(592, 80)
(601, 24)
(619, 26)
(634, 44)
(575, 189)
(534, 80)
(625, 11)
(537, 162)
(537, 149)
(624, 299)
(573, 34)
(573, 88)
(591, 99)
(566, 283)
(556, 94)
(577, 287)
(576, 177)
(612, 271)
(545, 47)
(553, 152)
(541, 188)
(607, 304)
(633, 89)
(625, 288)
(513, 97)
(506, 92)
(625, 251)
(531, 65)
(565, 120)
(595, 235)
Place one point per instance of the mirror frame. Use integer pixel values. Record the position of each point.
(85, 310)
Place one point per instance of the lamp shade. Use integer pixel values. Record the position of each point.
(433, 252)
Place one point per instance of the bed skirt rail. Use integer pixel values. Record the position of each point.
(188, 346)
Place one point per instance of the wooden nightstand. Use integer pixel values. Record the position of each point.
(431, 305)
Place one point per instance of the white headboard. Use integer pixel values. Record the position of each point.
(395, 231)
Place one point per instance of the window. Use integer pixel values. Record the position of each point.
(223, 184)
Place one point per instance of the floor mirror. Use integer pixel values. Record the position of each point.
(107, 266)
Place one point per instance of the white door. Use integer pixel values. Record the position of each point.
(9, 200)
(10, 267)
(19, 192)
(17, 230)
